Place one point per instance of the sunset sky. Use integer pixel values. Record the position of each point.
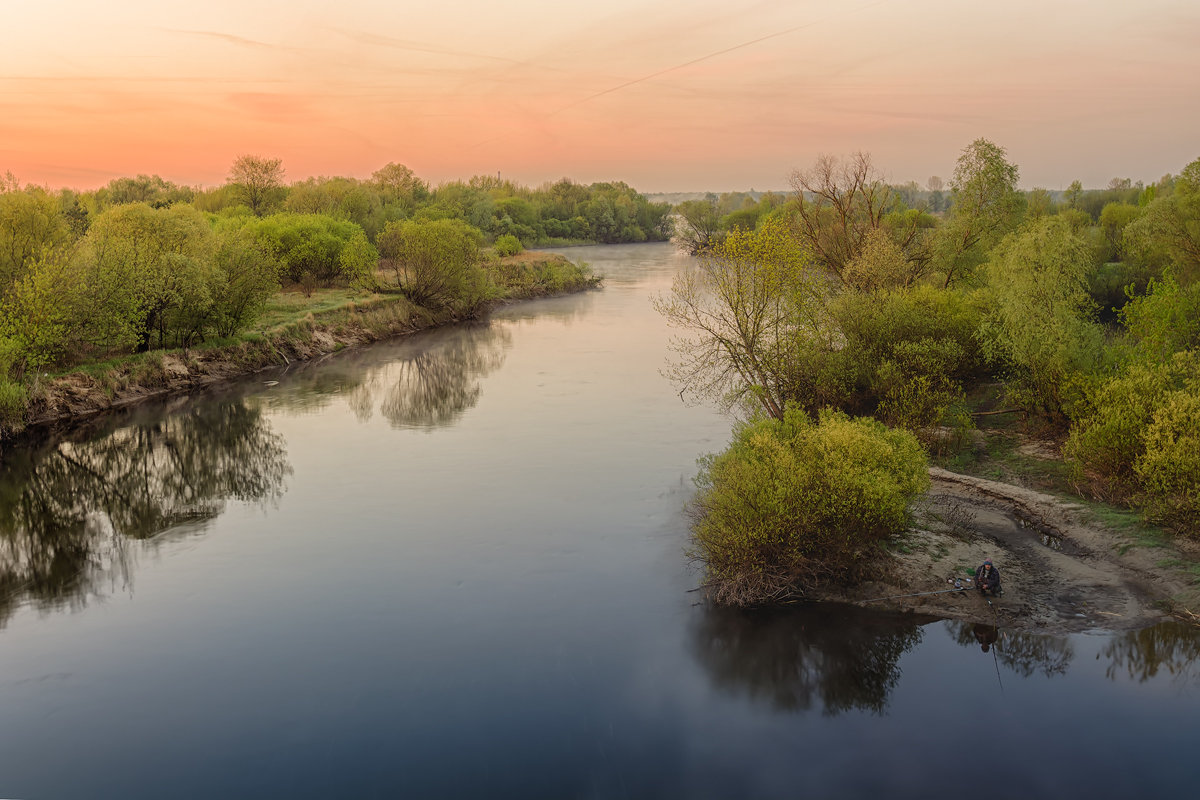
(666, 95)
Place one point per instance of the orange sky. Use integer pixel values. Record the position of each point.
(666, 95)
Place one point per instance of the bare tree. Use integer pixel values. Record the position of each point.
(258, 180)
(840, 202)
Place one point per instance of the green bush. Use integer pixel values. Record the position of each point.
(910, 350)
(437, 263)
(917, 384)
(793, 501)
(1165, 320)
(309, 247)
(1169, 469)
(508, 245)
(1139, 441)
(1040, 322)
(532, 278)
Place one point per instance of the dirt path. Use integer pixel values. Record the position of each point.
(1061, 570)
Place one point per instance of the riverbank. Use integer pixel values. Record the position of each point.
(96, 388)
(1066, 565)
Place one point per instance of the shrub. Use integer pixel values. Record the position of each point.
(1164, 320)
(553, 274)
(911, 350)
(309, 247)
(916, 383)
(1169, 468)
(794, 501)
(437, 263)
(508, 245)
(1140, 440)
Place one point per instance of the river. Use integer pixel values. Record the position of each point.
(453, 565)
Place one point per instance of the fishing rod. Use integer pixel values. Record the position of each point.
(959, 586)
(996, 627)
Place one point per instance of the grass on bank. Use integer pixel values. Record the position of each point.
(289, 317)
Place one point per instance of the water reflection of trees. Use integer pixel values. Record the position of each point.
(1023, 653)
(839, 658)
(1170, 648)
(436, 386)
(424, 382)
(68, 507)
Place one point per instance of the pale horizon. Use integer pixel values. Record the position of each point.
(666, 96)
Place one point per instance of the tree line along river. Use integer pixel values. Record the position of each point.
(453, 565)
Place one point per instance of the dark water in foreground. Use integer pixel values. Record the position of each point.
(452, 566)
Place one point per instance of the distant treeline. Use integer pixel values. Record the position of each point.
(143, 263)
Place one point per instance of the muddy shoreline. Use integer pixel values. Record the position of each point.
(1062, 569)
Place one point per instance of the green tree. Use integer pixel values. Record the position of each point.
(149, 189)
(144, 265)
(258, 181)
(340, 198)
(30, 225)
(358, 260)
(247, 276)
(985, 205)
(1168, 232)
(1040, 322)
(1114, 218)
(698, 224)
(437, 263)
(744, 307)
(1072, 194)
(399, 185)
(1165, 320)
(909, 351)
(39, 313)
(308, 247)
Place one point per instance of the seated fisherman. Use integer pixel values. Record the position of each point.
(987, 578)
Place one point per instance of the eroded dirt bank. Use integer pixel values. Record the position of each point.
(80, 395)
(1062, 570)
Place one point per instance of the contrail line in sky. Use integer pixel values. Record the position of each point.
(697, 60)
(685, 64)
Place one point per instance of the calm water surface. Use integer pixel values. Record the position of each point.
(452, 566)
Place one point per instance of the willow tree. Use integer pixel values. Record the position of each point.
(1041, 323)
(985, 206)
(746, 307)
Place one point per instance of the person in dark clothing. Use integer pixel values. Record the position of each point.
(987, 578)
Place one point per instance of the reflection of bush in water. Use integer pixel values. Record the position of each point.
(1023, 653)
(436, 385)
(1170, 647)
(66, 507)
(841, 658)
(426, 382)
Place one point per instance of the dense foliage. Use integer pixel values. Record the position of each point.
(795, 500)
(898, 303)
(143, 263)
